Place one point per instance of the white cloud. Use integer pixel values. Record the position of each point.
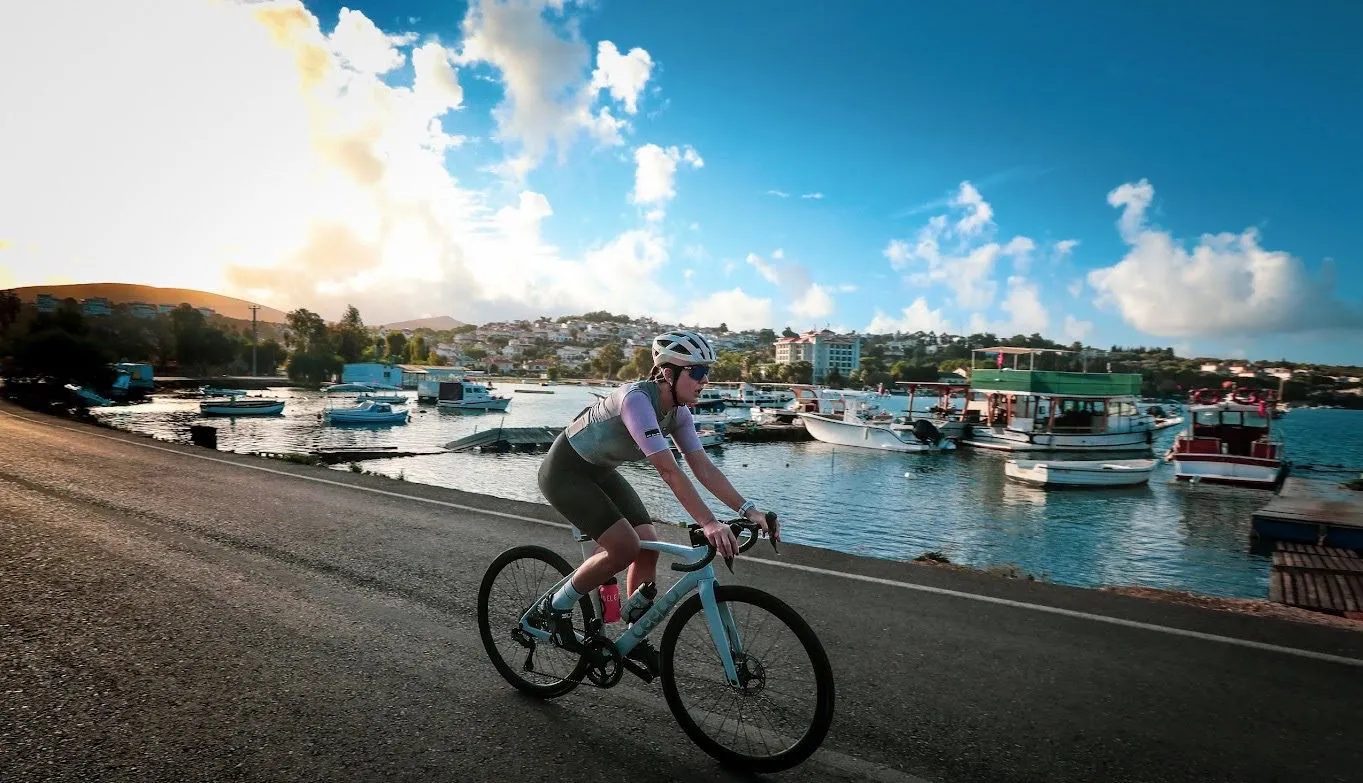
(655, 172)
(778, 193)
(814, 196)
(623, 75)
(549, 96)
(1076, 330)
(847, 288)
(763, 268)
(807, 299)
(979, 214)
(1022, 305)
(960, 256)
(1076, 287)
(169, 188)
(1065, 247)
(733, 308)
(899, 253)
(1227, 284)
(917, 317)
(815, 302)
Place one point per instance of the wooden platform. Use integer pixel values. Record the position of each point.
(1312, 511)
(766, 433)
(1317, 578)
(498, 440)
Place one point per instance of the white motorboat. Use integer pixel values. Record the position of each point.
(391, 399)
(1081, 473)
(1012, 409)
(1230, 440)
(709, 439)
(368, 412)
(467, 395)
(890, 433)
(242, 406)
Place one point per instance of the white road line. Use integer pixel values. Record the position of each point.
(1208, 637)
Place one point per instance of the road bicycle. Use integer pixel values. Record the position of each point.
(751, 677)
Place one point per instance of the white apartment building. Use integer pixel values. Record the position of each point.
(824, 350)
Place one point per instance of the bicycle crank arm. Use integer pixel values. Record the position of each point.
(637, 669)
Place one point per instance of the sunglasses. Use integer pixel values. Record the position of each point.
(698, 372)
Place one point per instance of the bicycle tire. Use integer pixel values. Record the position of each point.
(555, 560)
(822, 721)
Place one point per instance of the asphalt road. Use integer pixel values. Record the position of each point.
(164, 616)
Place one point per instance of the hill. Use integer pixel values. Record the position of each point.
(438, 324)
(123, 293)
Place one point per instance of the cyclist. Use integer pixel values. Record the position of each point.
(579, 477)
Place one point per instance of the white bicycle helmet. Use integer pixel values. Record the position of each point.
(682, 347)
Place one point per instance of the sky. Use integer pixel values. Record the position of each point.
(1166, 174)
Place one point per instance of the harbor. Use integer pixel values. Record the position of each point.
(1162, 533)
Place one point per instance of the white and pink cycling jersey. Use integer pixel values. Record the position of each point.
(626, 426)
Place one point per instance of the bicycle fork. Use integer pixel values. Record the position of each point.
(723, 630)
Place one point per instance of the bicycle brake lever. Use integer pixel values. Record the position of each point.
(729, 561)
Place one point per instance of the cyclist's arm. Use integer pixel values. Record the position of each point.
(713, 479)
(642, 423)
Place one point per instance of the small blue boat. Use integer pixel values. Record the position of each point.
(367, 412)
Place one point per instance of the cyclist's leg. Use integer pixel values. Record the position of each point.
(644, 567)
(617, 548)
(578, 490)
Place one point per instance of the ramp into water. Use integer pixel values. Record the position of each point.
(504, 439)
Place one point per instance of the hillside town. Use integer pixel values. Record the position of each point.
(192, 338)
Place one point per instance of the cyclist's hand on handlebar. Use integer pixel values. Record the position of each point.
(759, 517)
(721, 537)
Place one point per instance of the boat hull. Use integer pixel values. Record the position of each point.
(496, 404)
(867, 436)
(237, 409)
(1090, 473)
(1223, 469)
(1001, 439)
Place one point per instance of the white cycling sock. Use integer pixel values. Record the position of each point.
(566, 597)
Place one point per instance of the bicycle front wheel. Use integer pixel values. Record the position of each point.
(514, 581)
(782, 708)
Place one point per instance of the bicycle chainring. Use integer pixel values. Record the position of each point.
(604, 668)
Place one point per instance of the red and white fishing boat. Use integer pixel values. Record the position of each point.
(1229, 439)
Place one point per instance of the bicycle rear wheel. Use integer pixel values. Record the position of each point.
(770, 658)
(513, 582)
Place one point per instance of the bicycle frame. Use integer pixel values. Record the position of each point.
(723, 631)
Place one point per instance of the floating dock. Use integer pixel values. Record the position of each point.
(1317, 578)
(499, 440)
(1312, 511)
(766, 433)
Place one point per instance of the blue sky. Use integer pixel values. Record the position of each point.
(1221, 122)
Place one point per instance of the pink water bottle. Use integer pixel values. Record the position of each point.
(610, 601)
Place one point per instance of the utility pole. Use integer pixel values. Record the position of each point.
(254, 309)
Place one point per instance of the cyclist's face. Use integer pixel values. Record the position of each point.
(689, 385)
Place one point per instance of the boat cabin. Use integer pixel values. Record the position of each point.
(1231, 429)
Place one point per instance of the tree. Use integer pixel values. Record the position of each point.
(608, 359)
(351, 336)
(9, 311)
(397, 346)
(417, 350)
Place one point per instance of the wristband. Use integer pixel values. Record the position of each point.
(747, 506)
